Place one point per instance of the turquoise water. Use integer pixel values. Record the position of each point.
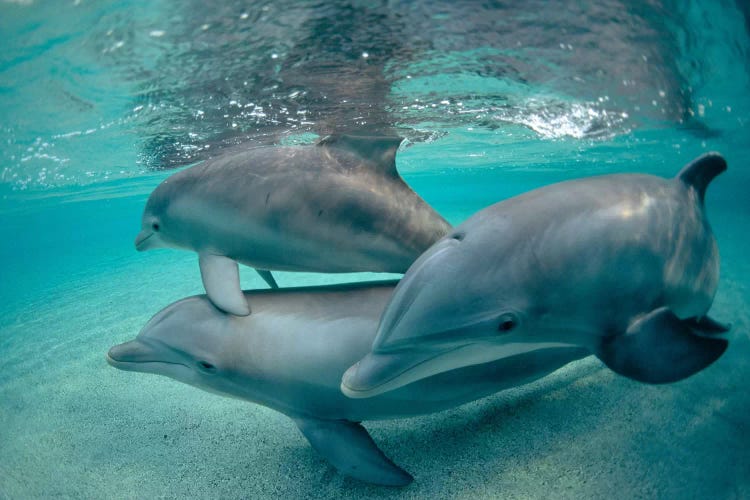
(99, 101)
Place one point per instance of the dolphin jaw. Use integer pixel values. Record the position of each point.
(404, 367)
(378, 373)
(138, 356)
(141, 241)
(137, 366)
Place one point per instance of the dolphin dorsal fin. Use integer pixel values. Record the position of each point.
(701, 171)
(380, 151)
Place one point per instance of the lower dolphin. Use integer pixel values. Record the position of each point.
(289, 355)
(625, 266)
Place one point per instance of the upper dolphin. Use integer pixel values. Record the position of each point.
(337, 206)
(625, 266)
(290, 354)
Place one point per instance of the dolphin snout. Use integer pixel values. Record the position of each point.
(377, 373)
(134, 351)
(141, 241)
(148, 357)
(371, 375)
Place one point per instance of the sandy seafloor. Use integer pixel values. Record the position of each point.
(71, 426)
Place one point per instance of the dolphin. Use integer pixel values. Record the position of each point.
(289, 355)
(337, 206)
(625, 266)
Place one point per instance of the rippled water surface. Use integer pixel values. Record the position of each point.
(100, 100)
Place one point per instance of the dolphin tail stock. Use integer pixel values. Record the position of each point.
(660, 348)
(350, 449)
(699, 173)
(267, 277)
(221, 279)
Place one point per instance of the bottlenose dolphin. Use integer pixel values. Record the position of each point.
(625, 266)
(337, 206)
(289, 355)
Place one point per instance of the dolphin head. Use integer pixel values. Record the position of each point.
(458, 305)
(187, 341)
(157, 227)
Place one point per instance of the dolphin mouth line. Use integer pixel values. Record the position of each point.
(139, 241)
(407, 376)
(117, 363)
(379, 388)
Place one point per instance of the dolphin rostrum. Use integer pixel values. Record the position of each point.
(337, 206)
(289, 355)
(625, 266)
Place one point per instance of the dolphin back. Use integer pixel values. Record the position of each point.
(699, 173)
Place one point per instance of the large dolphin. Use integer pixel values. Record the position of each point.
(625, 266)
(290, 354)
(337, 206)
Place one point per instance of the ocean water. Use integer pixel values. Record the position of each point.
(101, 100)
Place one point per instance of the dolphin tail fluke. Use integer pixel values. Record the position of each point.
(221, 279)
(660, 348)
(267, 277)
(349, 448)
(700, 172)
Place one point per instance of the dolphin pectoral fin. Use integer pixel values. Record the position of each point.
(660, 348)
(221, 279)
(267, 277)
(351, 450)
(707, 326)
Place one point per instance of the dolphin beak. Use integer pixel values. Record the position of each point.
(378, 373)
(141, 241)
(139, 356)
(147, 357)
(134, 351)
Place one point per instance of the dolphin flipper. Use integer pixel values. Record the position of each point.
(707, 326)
(267, 277)
(351, 450)
(221, 279)
(660, 348)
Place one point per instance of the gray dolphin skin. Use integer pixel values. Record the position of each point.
(289, 355)
(337, 206)
(625, 266)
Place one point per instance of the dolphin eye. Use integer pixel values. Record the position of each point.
(206, 366)
(155, 226)
(507, 323)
